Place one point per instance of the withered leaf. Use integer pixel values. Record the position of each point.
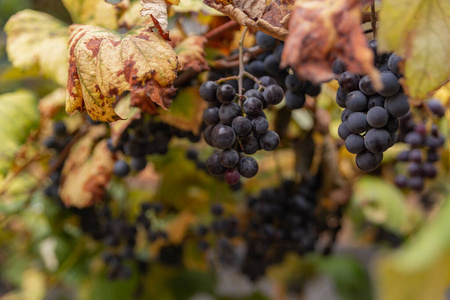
(322, 30)
(191, 53)
(103, 64)
(157, 9)
(257, 14)
(93, 12)
(87, 170)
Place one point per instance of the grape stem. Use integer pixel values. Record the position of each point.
(373, 19)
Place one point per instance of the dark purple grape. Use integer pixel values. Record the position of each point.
(414, 169)
(375, 100)
(414, 139)
(393, 63)
(420, 128)
(250, 144)
(211, 116)
(295, 100)
(265, 41)
(365, 86)
(349, 81)
(214, 166)
(242, 126)
(59, 128)
(273, 94)
(392, 124)
(226, 93)
(293, 83)
(223, 136)
(354, 143)
(368, 161)
(344, 114)
(357, 122)
(248, 167)
(253, 106)
(228, 112)
(390, 84)
(377, 140)
(401, 181)
(377, 117)
(341, 96)
(416, 183)
(121, 168)
(207, 134)
(356, 101)
(397, 105)
(429, 170)
(278, 51)
(260, 125)
(338, 66)
(271, 65)
(403, 156)
(256, 68)
(229, 158)
(432, 156)
(435, 106)
(208, 91)
(138, 163)
(343, 131)
(217, 209)
(231, 176)
(269, 141)
(312, 90)
(265, 81)
(415, 155)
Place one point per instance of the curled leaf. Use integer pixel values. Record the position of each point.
(87, 170)
(257, 14)
(36, 38)
(157, 9)
(103, 64)
(322, 30)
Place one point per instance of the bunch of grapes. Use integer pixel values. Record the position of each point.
(370, 116)
(424, 140)
(233, 133)
(141, 138)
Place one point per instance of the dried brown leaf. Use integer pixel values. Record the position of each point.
(87, 170)
(256, 14)
(191, 53)
(322, 30)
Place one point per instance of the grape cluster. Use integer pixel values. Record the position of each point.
(141, 138)
(370, 116)
(424, 140)
(233, 133)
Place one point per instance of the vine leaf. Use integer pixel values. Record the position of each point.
(18, 117)
(263, 15)
(36, 38)
(93, 12)
(87, 170)
(191, 53)
(103, 64)
(319, 32)
(419, 31)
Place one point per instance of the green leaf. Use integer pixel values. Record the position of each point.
(18, 117)
(383, 204)
(38, 38)
(419, 31)
(420, 268)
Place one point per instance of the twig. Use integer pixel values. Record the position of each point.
(218, 30)
(241, 63)
(373, 19)
(234, 77)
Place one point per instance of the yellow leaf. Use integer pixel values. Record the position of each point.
(52, 103)
(36, 38)
(132, 18)
(87, 170)
(92, 12)
(33, 285)
(103, 64)
(419, 31)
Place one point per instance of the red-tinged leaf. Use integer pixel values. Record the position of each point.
(103, 64)
(323, 30)
(191, 53)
